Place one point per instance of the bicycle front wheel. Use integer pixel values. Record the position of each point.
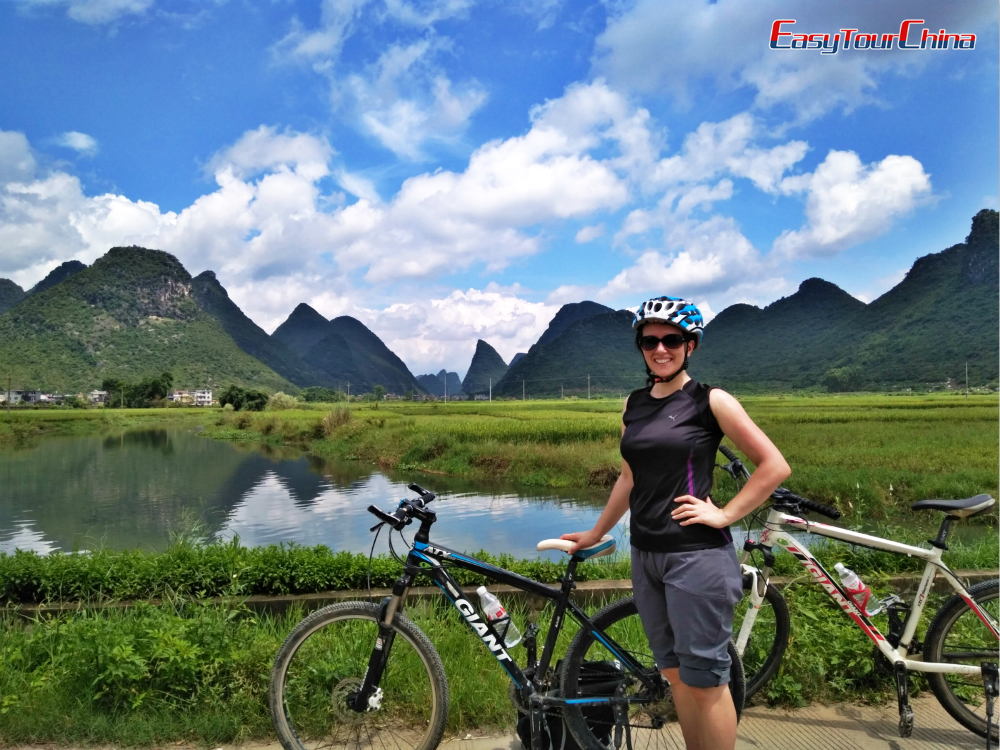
(323, 662)
(956, 635)
(768, 637)
(650, 716)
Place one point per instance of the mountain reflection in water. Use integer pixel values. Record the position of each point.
(135, 488)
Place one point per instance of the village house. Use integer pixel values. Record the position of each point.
(203, 397)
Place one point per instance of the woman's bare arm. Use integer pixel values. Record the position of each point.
(772, 469)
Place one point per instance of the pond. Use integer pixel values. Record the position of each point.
(138, 488)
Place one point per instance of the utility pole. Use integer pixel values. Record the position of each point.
(348, 392)
(8, 395)
(562, 393)
(522, 390)
(588, 387)
(966, 378)
(446, 385)
(491, 390)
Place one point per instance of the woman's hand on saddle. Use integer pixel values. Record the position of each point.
(691, 510)
(582, 539)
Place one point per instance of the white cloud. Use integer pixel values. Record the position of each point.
(706, 256)
(264, 149)
(17, 164)
(589, 234)
(92, 11)
(405, 100)
(435, 333)
(726, 43)
(80, 142)
(848, 202)
(717, 147)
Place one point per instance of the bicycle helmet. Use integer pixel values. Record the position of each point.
(674, 311)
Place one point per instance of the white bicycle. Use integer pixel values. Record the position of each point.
(960, 649)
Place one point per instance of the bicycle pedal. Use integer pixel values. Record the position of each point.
(906, 721)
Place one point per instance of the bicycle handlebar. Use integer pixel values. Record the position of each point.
(781, 496)
(405, 512)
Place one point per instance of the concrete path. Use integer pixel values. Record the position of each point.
(837, 727)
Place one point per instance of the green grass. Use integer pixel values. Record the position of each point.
(199, 674)
(24, 427)
(868, 454)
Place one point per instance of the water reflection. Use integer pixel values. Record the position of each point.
(133, 489)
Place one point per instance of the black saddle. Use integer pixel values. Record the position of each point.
(970, 506)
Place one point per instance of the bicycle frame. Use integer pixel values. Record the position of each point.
(426, 559)
(773, 533)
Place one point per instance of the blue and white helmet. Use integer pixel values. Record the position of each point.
(672, 310)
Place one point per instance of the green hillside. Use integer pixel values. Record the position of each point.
(346, 350)
(250, 337)
(129, 315)
(487, 367)
(351, 353)
(10, 294)
(302, 330)
(568, 314)
(922, 331)
(601, 346)
(57, 275)
(435, 384)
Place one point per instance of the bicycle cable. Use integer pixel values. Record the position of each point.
(368, 575)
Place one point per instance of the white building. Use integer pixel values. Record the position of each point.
(98, 397)
(203, 398)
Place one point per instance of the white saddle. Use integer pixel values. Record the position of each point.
(604, 547)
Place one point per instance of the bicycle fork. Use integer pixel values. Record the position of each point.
(369, 695)
(991, 676)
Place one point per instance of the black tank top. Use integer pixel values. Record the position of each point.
(670, 444)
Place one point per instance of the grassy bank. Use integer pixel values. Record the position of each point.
(229, 569)
(24, 427)
(194, 673)
(865, 454)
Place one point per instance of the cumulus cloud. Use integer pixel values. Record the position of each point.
(82, 143)
(17, 164)
(700, 257)
(429, 334)
(92, 12)
(404, 99)
(848, 202)
(630, 51)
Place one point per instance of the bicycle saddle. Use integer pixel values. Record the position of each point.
(970, 506)
(604, 547)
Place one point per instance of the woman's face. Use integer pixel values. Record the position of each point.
(661, 361)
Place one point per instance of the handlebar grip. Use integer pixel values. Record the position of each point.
(426, 496)
(824, 510)
(727, 453)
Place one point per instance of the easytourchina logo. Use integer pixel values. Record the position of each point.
(910, 36)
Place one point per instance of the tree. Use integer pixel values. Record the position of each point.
(378, 392)
(233, 395)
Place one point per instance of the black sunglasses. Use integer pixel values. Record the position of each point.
(670, 341)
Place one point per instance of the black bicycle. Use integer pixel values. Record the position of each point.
(360, 674)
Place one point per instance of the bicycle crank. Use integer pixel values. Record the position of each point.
(903, 697)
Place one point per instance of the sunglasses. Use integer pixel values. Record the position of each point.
(670, 341)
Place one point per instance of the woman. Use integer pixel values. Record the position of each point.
(685, 575)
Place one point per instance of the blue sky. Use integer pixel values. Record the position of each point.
(451, 170)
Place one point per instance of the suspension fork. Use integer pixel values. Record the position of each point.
(361, 701)
(758, 586)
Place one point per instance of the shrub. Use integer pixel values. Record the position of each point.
(280, 401)
(336, 418)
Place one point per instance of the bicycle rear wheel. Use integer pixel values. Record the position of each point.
(649, 720)
(957, 635)
(768, 638)
(324, 660)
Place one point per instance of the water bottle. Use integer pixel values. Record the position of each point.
(857, 589)
(497, 615)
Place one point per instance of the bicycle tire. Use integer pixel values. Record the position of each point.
(956, 625)
(765, 649)
(326, 656)
(620, 620)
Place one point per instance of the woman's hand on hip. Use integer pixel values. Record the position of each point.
(691, 509)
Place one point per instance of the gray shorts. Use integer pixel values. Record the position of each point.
(686, 602)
